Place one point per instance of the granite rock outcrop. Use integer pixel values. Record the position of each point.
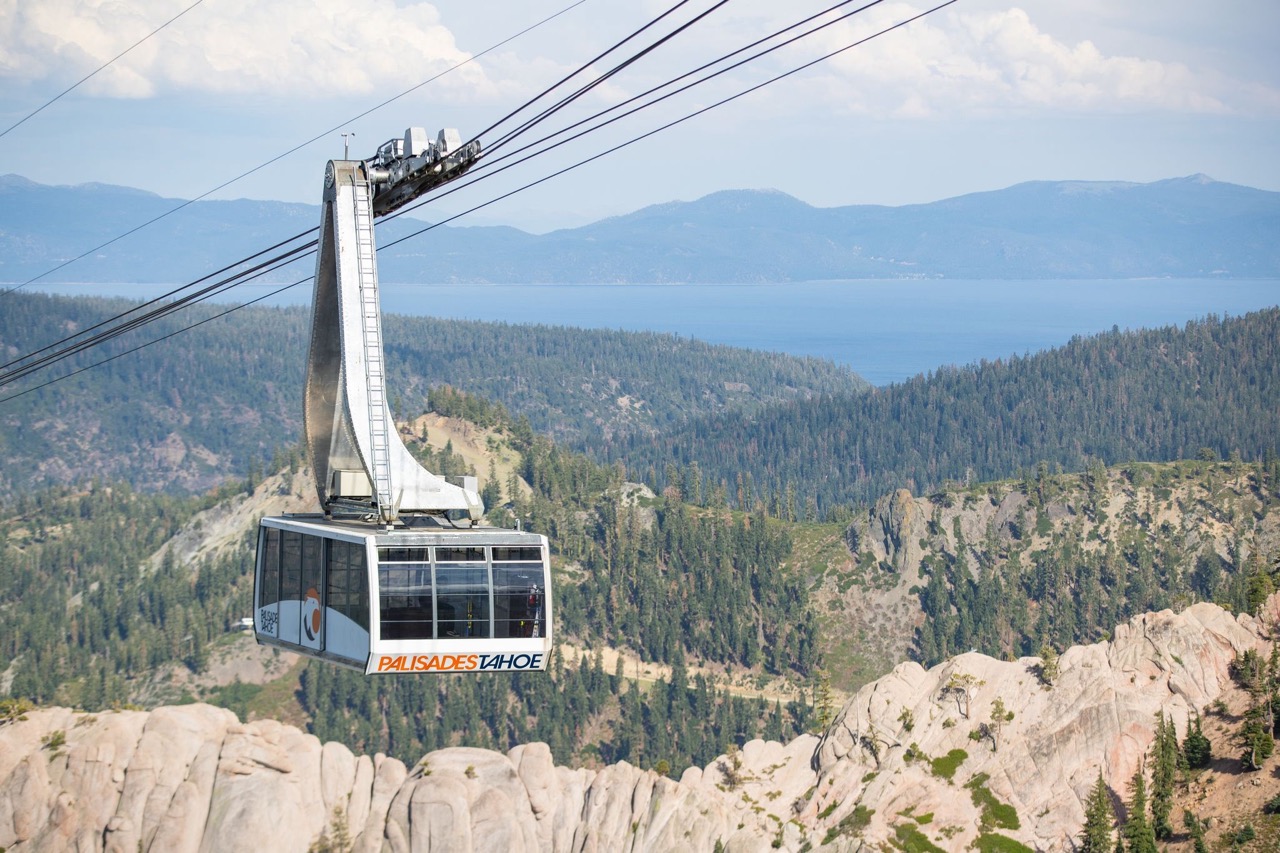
(912, 744)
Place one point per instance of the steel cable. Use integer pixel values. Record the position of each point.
(262, 269)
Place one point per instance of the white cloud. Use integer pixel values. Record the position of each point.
(986, 62)
(965, 61)
(294, 48)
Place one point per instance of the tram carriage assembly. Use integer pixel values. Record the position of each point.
(412, 599)
(395, 575)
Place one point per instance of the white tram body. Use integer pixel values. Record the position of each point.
(407, 600)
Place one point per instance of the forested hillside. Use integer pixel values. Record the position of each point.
(1149, 395)
(200, 407)
(714, 564)
(95, 620)
(1055, 560)
(86, 619)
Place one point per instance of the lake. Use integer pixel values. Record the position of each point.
(887, 331)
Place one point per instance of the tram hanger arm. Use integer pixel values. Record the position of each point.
(355, 448)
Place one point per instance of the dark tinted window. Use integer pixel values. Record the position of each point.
(269, 579)
(291, 566)
(462, 607)
(518, 601)
(358, 588)
(504, 553)
(404, 593)
(460, 555)
(347, 592)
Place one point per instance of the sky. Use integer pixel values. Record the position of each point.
(978, 96)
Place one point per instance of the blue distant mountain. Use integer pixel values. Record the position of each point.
(1183, 228)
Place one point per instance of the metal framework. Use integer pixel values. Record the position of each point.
(360, 463)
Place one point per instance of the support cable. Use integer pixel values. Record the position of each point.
(584, 66)
(164, 310)
(262, 268)
(157, 300)
(479, 173)
(585, 88)
(302, 234)
(74, 85)
(292, 150)
(143, 346)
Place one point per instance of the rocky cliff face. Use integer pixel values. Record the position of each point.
(1193, 506)
(1161, 519)
(905, 745)
(898, 760)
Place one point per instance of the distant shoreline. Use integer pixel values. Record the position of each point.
(886, 330)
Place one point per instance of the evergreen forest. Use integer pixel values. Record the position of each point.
(1062, 559)
(93, 615)
(204, 405)
(1148, 395)
(681, 486)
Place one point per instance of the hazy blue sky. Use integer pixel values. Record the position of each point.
(981, 95)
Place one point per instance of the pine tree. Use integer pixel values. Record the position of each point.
(1164, 755)
(1196, 748)
(1098, 818)
(1260, 678)
(823, 703)
(773, 724)
(1255, 740)
(1049, 667)
(999, 716)
(1137, 833)
(1195, 828)
(491, 494)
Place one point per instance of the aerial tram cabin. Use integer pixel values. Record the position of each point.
(418, 599)
(395, 575)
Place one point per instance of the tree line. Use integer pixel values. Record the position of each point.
(91, 616)
(1151, 395)
(231, 389)
(585, 715)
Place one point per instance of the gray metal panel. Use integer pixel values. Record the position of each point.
(358, 664)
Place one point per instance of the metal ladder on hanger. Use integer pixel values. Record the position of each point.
(374, 369)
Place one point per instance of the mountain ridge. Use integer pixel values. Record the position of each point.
(1095, 397)
(210, 400)
(1185, 227)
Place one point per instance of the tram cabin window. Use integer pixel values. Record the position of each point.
(269, 586)
(405, 594)
(462, 596)
(518, 596)
(347, 591)
(291, 584)
(312, 586)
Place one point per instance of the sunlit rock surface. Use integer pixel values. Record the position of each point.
(194, 778)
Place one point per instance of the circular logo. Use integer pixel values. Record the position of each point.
(329, 174)
(311, 611)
